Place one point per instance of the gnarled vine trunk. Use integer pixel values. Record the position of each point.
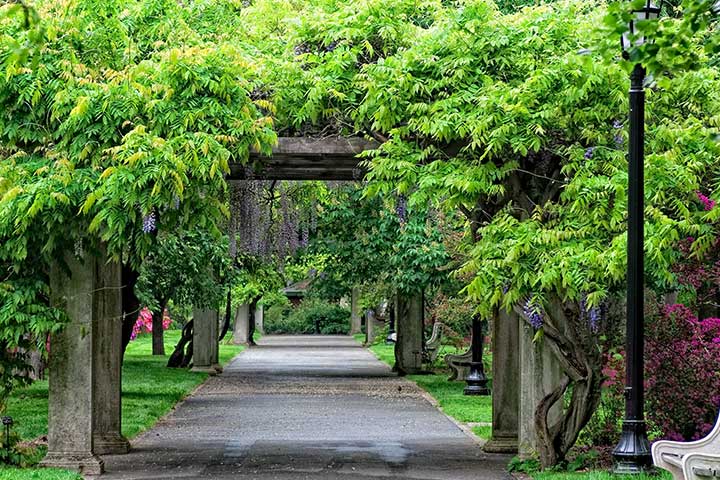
(573, 343)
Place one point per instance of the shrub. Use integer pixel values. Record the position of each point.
(682, 380)
(312, 316)
(143, 324)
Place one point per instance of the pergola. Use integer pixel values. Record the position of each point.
(85, 367)
(302, 158)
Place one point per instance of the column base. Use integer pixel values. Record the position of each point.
(110, 445)
(209, 370)
(84, 463)
(501, 444)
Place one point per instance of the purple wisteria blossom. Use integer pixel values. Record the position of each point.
(149, 223)
(401, 208)
(533, 313)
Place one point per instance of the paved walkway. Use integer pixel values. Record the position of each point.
(316, 408)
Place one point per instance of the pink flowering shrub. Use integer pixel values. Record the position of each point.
(144, 323)
(707, 202)
(682, 380)
(682, 373)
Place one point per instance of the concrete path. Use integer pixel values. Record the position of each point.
(316, 408)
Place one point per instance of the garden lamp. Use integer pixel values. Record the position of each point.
(649, 11)
(7, 422)
(632, 453)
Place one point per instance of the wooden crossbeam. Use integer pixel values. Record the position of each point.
(301, 158)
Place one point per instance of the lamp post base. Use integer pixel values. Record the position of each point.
(476, 381)
(632, 454)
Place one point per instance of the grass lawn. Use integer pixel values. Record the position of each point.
(449, 395)
(37, 474)
(597, 475)
(150, 390)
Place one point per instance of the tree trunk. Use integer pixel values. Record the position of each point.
(158, 333)
(228, 315)
(251, 321)
(130, 303)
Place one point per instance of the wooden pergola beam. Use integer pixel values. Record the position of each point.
(301, 158)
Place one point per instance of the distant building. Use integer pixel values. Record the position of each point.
(296, 291)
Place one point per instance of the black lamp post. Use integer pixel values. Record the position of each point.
(7, 422)
(476, 379)
(632, 454)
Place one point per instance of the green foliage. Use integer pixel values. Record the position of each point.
(367, 244)
(312, 316)
(530, 465)
(187, 268)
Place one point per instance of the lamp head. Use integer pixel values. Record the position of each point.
(650, 10)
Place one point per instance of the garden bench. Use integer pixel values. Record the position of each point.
(432, 346)
(690, 460)
(459, 364)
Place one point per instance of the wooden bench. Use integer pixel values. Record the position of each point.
(459, 364)
(432, 346)
(690, 460)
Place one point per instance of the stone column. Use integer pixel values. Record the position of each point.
(369, 326)
(260, 318)
(409, 315)
(107, 360)
(241, 330)
(72, 408)
(355, 318)
(203, 340)
(505, 384)
(215, 345)
(540, 373)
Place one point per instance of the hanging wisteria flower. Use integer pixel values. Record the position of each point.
(594, 316)
(533, 313)
(589, 153)
(619, 140)
(708, 203)
(617, 124)
(149, 223)
(79, 250)
(401, 208)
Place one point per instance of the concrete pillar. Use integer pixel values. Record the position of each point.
(203, 333)
(409, 314)
(355, 318)
(72, 404)
(107, 360)
(260, 318)
(540, 374)
(241, 329)
(215, 342)
(505, 384)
